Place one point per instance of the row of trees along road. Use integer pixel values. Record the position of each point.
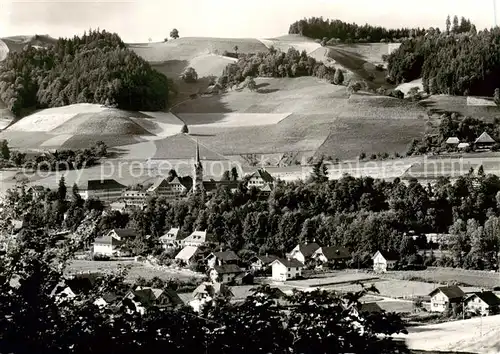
(31, 321)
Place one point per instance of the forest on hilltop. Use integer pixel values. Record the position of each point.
(319, 28)
(459, 61)
(94, 68)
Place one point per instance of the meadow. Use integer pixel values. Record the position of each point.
(440, 275)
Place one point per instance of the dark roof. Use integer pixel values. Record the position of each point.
(228, 269)
(308, 249)
(125, 232)
(451, 292)
(267, 259)
(332, 253)
(110, 297)
(262, 173)
(97, 184)
(390, 255)
(209, 186)
(488, 297)
(227, 256)
(290, 263)
(82, 283)
(371, 307)
(484, 138)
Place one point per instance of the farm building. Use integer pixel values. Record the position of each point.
(463, 146)
(261, 179)
(225, 273)
(484, 141)
(261, 262)
(286, 269)
(110, 243)
(443, 297)
(106, 190)
(304, 252)
(244, 279)
(484, 303)
(143, 298)
(384, 260)
(206, 291)
(370, 307)
(222, 258)
(334, 256)
(453, 141)
(170, 239)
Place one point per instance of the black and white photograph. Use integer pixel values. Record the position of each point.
(249, 177)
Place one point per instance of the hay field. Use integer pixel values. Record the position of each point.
(439, 104)
(292, 41)
(482, 279)
(81, 125)
(4, 50)
(231, 120)
(324, 120)
(370, 52)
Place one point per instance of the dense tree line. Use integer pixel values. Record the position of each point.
(456, 63)
(275, 63)
(319, 28)
(62, 160)
(94, 68)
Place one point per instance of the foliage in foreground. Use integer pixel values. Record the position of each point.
(32, 321)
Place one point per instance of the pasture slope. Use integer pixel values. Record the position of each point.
(320, 119)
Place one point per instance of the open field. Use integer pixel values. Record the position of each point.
(4, 50)
(399, 289)
(136, 270)
(476, 335)
(482, 279)
(298, 42)
(438, 104)
(370, 52)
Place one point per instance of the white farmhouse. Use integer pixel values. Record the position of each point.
(303, 252)
(110, 243)
(286, 269)
(443, 297)
(382, 261)
(188, 254)
(170, 239)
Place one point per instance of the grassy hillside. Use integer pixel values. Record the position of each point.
(81, 125)
(17, 43)
(321, 119)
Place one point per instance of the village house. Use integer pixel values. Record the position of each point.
(304, 252)
(75, 285)
(143, 298)
(36, 191)
(107, 299)
(483, 303)
(170, 239)
(443, 297)
(197, 238)
(206, 292)
(463, 146)
(286, 269)
(383, 261)
(189, 255)
(106, 190)
(262, 180)
(110, 243)
(336, 257)
(484, 142)
(221, 258)
(168, 190)
(261, 262)
(118, 206)
(245, 278)
(225, 273)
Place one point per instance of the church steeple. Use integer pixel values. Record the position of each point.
(197, 171)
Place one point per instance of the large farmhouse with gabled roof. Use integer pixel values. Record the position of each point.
(105, 190)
